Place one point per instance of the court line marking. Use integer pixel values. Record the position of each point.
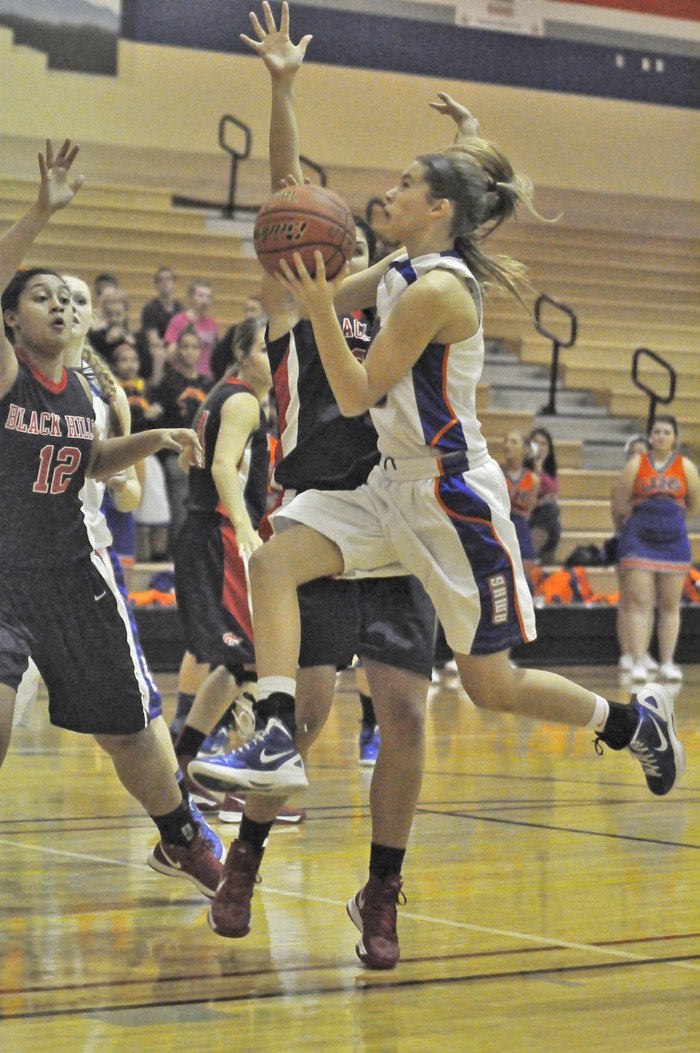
(427, 918)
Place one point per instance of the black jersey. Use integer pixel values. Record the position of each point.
(203, 496)
(46, 436)
(320, 448)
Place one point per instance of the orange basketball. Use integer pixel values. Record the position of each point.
(303, 219)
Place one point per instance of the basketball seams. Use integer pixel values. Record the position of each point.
(290, 223)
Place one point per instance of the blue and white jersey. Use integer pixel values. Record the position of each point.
(431, 411)
(93, 491)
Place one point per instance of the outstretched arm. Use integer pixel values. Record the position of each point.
(55, 192)
(283, 60)
(110, 456)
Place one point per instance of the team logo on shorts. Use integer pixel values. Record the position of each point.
(499, 599)
(230, 639)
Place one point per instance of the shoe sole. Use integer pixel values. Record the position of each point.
(366, 763)
(360, 949)
(223, 780)
(235, 817)
(665, 700)
(226, 935)
(163, 868)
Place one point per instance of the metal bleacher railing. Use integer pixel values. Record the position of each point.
(238, 150)
(654, 397)
(557, 344)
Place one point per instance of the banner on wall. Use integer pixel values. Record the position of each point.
(501, 16)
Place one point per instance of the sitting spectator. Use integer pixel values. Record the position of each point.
(197, 314)
(180, 394)
(155, 319)
(545, 520)
(125, 366)
(114, 329)
(375, 214)
(103, 285)
(523, 489)
(153, 514)
(222, 356)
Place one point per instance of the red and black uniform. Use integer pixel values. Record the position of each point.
(388, 620)
(210, 578)
(56, 600)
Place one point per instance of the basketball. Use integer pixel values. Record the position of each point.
(303, 219)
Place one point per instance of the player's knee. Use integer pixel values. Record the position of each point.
(117, 745)
(265, 567)
(402, 721)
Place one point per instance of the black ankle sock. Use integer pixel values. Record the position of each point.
(242, 675)
(369, 718)
(385, 861)
(190, 742)
(278, 704)
(620, 726)
(177, 827)
(184, 704)
(254, 833)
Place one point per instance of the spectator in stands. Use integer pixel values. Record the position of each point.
(155, 318)
(545, 519)
(153, 514)
(180, 394)
(375, 214)
(103, 284)
(114, 329)
(223, 356)
(197, 314)
(523, 490)
(653, 495)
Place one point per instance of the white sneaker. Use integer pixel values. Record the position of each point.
(626, 663)
(670, 671)
(638, 672)
(651, 665)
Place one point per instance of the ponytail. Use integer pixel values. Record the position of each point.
(107, 384)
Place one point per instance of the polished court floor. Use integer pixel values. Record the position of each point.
(553, 903)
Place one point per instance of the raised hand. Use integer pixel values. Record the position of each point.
(280, 55)
(467, 124)
(55, 190)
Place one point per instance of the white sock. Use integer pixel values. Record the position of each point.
(268, 684)
(600, 714)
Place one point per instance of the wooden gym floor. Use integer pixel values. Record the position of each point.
(553, 903)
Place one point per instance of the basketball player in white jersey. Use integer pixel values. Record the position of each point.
(437, 503)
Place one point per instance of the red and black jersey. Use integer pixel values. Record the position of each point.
(203, 496)
(46, 435)
(319, 447)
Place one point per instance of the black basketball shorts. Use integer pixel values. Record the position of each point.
(388, 620)
(75, 625)
(212, 593)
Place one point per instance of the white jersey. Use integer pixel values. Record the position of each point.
(431, 411)
(92, 493)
